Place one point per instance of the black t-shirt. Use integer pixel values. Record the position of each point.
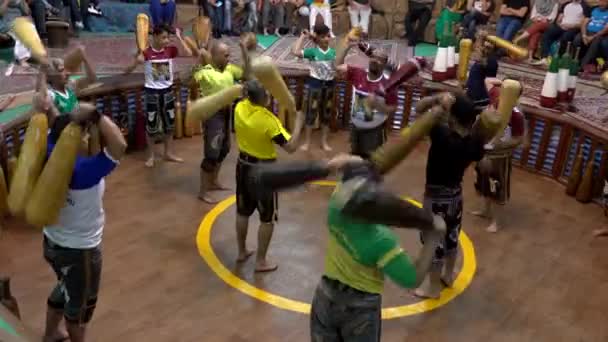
(587, 9)
(517, 4)
(449, 156)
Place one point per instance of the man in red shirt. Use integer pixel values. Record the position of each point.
(367, 124)
(493, 172)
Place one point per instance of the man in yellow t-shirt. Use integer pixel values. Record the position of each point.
(211, 78)
(257, 131)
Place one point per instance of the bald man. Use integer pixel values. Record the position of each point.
(212, 77)
(367, 131)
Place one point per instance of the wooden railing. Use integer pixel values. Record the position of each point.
(555, 140)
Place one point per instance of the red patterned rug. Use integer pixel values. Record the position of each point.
(590, 101)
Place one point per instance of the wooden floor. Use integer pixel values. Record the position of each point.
(541, 279)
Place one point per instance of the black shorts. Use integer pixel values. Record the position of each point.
(248, 199)
(319, 102)
(494, 181)
(216, 138)
(446, 202)
(78, 274)
(160, 111)
(365, 141)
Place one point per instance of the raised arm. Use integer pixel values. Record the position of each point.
(281, 176)
(297, 48)
(247, 73)
(90, 76)
(138, 60)
(367, 201)
(342, 49)
(187, 48)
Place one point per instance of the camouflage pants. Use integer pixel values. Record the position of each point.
(343, 314)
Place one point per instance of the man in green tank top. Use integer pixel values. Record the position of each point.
(362, 249)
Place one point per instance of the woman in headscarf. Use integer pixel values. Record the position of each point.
(543, 14)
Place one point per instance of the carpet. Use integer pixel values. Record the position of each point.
(111, 55)
(591, 105)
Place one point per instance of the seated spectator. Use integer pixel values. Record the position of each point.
(479, 12)
(295, 10)
(77, 14)
(9, 11)
(214, 9)
(360, 11)
(448, 17)
(276, 8)
(564, 29)
(543, 14)
(418, 16)
(240, 16)
(163, 13)
(593, 39)
(323, 8)
(512, 14)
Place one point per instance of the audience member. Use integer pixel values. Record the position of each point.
(360, 11)
(214, 9)
(417, 18)
(479, 12)
(240, 16)
(322, 8)
(592, 38)
(162, 13)
(9, 11)
(449, 16)
(543, 14)
(78, 15)
(564, 29)
(294, 10)
(512, 14)
(276, 9)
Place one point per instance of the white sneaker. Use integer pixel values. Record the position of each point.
(9, 69)
(94, 10)
(543, 61)
(79, 25)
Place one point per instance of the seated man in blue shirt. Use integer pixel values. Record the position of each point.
(593, 38)
(72, 247)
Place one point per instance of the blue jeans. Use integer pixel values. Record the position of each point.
(162, 13)
(216, 15)
(341, 313)
(507, 27)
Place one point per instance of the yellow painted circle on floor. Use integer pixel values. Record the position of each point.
(203, 241)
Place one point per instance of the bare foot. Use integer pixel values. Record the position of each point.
(218, 186)
(427, 292)
(150, 162)
(304, 147)
(448, 279)
(600, 232)
(244, 256)
(480, 213)
(59, 336)
(326, 148)
(264, 266)
(429, 289)
(492, 228)
(172, 158)
(207, 199)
